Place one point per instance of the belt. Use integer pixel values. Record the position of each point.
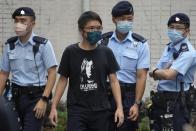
(30, 86)
(128, 87)
(168, 95)
(27, 89)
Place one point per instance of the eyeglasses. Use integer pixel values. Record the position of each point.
(93, 28)
(177, 27)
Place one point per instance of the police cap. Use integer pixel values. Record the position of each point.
(23, 11)
(122, 8)
(179, 18)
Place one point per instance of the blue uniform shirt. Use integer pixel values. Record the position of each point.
(21, 63)
(130, 55)
(185, 65)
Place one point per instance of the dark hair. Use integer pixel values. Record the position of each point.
(86, 17)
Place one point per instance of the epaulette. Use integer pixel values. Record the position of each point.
(11, 41)
(40, 40)
(106, 37)
(183, 48)
(138, 38)
(169, 43)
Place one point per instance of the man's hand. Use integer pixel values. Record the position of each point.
(119, 117)
(134, 112)
(40, 109)
(53, 116)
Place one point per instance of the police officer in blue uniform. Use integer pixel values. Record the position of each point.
(175, 72)
(29, 59)
(132, 54)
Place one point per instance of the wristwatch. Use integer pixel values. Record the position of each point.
(137, 102)
(45, 98)
(153, 72)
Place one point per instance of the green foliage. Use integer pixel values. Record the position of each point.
(62, 120)
(144, 124)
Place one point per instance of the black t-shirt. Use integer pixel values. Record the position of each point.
(87, 71)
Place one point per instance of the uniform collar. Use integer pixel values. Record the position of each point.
(177, 45)
(30, 41)
(127, 38)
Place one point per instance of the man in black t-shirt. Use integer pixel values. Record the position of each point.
(87, 65)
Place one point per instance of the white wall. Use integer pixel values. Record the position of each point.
(57, 20)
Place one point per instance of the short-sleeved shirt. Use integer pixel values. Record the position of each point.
(87, 71)
(25, 69)
(131, 55)
(184, 64)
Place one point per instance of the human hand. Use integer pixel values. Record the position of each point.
(133, 112)
(119, 117)
(53, 116)
(40, 109)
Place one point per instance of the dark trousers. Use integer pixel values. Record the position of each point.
(128, 125)
(25, 106)
(8, 121)
(181, 116)
(88, 120)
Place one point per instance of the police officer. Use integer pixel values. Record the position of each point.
(132, 54)
(87, 65)
(175, 72)
(29, 59)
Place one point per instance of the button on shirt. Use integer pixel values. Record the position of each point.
(185, 65)
(130, 55)
(26, 70)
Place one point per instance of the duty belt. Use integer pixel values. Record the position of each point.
(128, 87)
(27, 89)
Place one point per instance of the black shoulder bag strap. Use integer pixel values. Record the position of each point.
(38, 40)
(11, 41)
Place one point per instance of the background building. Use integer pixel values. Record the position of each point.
(57, 20)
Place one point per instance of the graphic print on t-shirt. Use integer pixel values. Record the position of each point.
(87, 82)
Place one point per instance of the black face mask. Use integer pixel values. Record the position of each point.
(93, 37)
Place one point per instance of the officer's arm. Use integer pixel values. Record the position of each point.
(60, 88)
(164, 74)
(50, 82)
(115, 89)
(3, 78)
(140, 84)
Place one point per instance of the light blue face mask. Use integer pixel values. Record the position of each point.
(124, 26)
(175, 35)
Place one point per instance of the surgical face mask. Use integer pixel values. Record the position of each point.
(175, 35)
(124, 26)
(20, 29)
(93, 37)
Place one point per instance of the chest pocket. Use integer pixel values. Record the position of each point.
(29, 61)
(14, 60)
(129, 60)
